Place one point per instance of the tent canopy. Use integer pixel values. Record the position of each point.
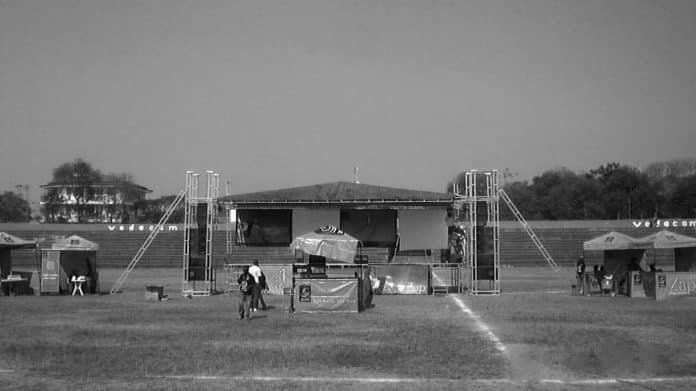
(327, 242)
(73, 243)
(669, 239)
(614, 241)
(11, 241)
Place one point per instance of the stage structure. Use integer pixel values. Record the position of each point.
(483, 241)
(483, 235)
(199, 221)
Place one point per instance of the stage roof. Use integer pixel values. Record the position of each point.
(340, 193)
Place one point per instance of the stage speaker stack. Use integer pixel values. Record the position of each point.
(197, 245)
(484, 253)
(196, 268)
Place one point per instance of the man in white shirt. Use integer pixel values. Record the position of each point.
(255, 272)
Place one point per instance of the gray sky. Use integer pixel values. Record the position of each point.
(274, 94)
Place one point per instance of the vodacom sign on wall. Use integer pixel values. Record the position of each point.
(141, 228)
(665, 223)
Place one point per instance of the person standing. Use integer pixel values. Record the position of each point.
(256, 273)
(580, 275)
(246, 288)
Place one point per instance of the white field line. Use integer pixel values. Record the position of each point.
(578, 382)
(309, 379)
(6, 370)
(479, 323)
(397, 380)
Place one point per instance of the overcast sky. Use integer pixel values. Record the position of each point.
(273, 94)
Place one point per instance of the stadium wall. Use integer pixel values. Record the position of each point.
(119, 243)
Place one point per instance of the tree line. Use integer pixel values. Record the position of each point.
(664, 189)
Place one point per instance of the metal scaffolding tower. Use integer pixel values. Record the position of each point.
(529, 230)
(153, 234)
(197, 282)
(482, 254)
(228, 225)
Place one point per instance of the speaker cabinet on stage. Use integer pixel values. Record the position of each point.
(193, 241)
(484, 253)
(485, 269)
(484, 240)
(481, 212)
(196, 270)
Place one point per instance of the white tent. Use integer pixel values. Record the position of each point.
(614, 241)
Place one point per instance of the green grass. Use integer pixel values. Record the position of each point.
(124, 342)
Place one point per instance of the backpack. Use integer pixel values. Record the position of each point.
(244, 285)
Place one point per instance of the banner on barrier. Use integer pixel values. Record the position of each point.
(399, 279)
(278, 278)
(326, 295)
(675, 284)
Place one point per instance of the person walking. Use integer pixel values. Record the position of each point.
(256, 273)
(246, 288)
(263, 285)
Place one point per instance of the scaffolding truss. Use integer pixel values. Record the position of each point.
(153, 234)
(529, 230)
(483, 258)
(192, 284)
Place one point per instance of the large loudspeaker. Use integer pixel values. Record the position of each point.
(196, 268)
(481, 212)
(193, 241)
(202, 221)
(201, 215)
(484, 240)
(485, 269)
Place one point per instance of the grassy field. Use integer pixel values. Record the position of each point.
(533, 336)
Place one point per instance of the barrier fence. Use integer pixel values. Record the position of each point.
(385, 279)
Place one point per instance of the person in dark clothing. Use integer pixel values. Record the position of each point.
(246, 287)
(580, 274)
(263, 285)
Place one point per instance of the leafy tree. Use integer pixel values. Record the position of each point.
(79, 176)
(523, 197)
(683, 202)
(665, 176)
(151, 211)
(627, 193)
(14, 208)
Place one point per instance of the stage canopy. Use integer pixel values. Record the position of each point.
(11, 241)
(669, 239)
(328, 242)
(615, 241)
(7, 244)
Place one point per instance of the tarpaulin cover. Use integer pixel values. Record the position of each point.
(326, 295)
(399, 279)
(668, 239)
(615, 241)
(333, 246)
